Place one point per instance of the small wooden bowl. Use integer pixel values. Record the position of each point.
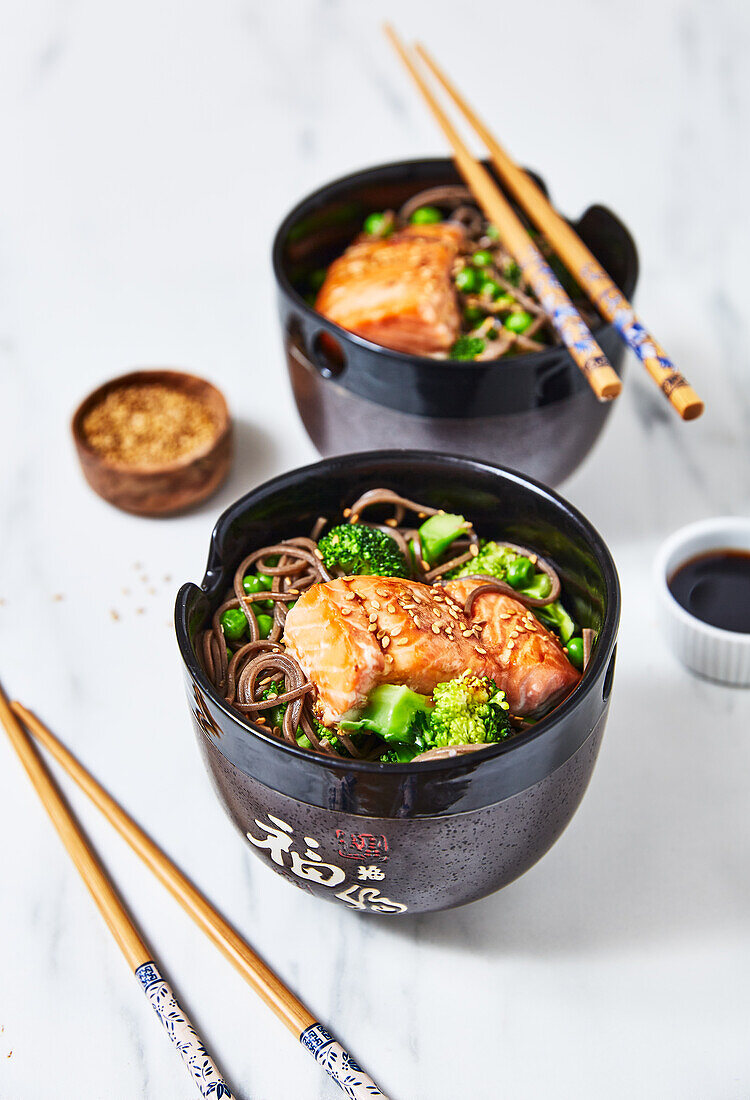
(172, 487)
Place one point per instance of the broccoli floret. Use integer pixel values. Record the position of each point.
(468, 711)
(395, 713)
(401, 754)
(491, 561)
(467, 347)
(501, 562)
(494, 560)
(361, 550)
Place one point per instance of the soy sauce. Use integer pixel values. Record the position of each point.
(715, 588)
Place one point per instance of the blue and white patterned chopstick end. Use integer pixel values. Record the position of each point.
(200, 1066)
(351, 1078)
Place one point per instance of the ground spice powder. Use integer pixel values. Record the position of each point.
(148, 424)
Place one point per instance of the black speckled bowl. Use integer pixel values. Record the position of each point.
(534, 412)
(396, 838)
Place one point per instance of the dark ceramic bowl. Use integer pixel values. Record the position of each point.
(392, 838)
(534, 412)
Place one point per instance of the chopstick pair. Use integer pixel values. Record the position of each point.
(329, 1053)
(603, 292)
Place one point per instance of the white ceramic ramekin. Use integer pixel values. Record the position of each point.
(719, 654)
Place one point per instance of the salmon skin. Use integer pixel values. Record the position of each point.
(397, 291)
(351, 634)
(534, 671)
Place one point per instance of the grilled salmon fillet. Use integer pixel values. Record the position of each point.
(397, 291)
(351, 634)
(533, 669)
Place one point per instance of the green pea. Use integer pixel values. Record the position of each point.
(233, 623)
(473, 315)
(426, 215)
(318, 277)
(265, 625)
(257, 582)
(520, 572)
(491, 289)
(518, 322)
(575, 652)
(468, 280)
(492, 232)
(482, 258)
(377, 225)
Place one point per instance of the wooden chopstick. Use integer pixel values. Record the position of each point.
(314, 1037)
(200, 1066)
(566, 320)
(580, 261)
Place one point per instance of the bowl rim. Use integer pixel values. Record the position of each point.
(473, 760)
(148, 374)
(530, 359)
(678, 543)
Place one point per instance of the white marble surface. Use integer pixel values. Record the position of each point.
(148, 152)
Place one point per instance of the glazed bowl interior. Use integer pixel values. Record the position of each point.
(501, 504)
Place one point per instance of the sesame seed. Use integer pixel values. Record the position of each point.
(435, 628)
(466, 633)
(391, 523)
(382, 592)
(480, 650)
(375, 605)
(346, 610)
(396, 632)
(391, 609)
(373, 628)
(386, 641)
(416, 598)
(353, 518)
(318, 554)
(346, 513)
(511, 644)
(374, 617)
(349, 596)
(425, 564)
(533, 558)
(473, 550)
(416, 622)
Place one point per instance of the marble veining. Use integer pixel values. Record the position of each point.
(148, 153)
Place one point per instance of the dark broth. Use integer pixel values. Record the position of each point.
(715, 587)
